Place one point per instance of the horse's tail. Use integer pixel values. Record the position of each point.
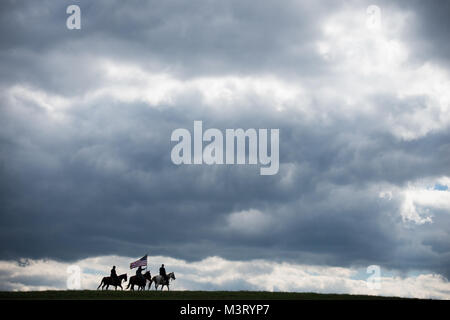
(129, 282)
(100, 283)
(150, 283)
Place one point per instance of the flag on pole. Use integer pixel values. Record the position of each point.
(139, 263)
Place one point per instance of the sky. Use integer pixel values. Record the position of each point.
(359, 91)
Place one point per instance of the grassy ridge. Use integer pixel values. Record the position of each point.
(180, 295)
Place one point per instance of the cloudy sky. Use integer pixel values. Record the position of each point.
(359, 91)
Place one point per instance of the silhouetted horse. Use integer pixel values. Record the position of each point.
(160, 281)
(108, 281)
(134, 280)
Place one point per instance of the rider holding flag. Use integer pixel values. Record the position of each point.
(139, 273)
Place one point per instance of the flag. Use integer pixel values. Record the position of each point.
(139, 263)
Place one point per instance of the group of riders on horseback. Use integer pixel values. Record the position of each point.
(139, 279)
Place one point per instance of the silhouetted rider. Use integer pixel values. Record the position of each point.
(162, 273)
(114, 276)
(139, 273)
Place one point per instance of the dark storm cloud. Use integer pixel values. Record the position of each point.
(429, 32)
(73, 201)
(189, 39)
(101, 181)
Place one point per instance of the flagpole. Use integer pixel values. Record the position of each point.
(146, 261)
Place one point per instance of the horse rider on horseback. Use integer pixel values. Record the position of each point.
(139, 273)
(114, 277)
(162, 273)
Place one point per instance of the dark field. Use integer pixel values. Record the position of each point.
(181, 295)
